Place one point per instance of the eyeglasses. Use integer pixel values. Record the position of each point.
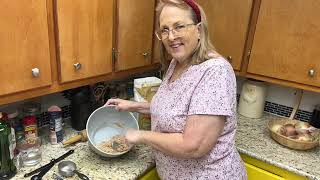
(177, 31)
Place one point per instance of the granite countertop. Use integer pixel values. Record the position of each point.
(129, 166)
(253, 139)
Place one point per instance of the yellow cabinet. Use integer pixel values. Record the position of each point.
(134, 36)
(85, 38)
(257, 173)
(257, 169)
(24, 46)
(150, 175)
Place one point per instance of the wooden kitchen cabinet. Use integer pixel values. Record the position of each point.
(134, 34)
(228, 22)
(285, 47)
(85, 38)
(24, 48)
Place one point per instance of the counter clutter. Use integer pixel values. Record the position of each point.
(129, 166)
(252, 139)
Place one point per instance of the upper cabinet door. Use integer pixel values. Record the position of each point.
(286, 41)
(228, 22)
(24, 47)
(134, 33)
(85, 29)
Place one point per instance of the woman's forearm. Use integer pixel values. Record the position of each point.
(141, 107)
(170, 143)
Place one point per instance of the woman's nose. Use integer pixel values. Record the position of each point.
(171, 36)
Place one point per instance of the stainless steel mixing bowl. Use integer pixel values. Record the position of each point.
(106, 122)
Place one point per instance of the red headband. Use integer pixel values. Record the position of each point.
(195, 8)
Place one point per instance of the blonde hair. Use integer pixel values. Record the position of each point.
(204, 50)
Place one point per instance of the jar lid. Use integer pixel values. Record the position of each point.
(13, 114)
(31, 107)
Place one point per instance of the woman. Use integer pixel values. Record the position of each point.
(193, 114)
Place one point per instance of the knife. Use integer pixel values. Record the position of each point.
(50, 164)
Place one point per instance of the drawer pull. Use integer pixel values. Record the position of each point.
(229, 58)
(77, 66)
(145, 55)
(35, 72)
(312, 72)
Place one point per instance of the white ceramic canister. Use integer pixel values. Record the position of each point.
(252, 98)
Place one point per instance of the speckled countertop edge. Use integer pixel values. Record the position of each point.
(253, 139)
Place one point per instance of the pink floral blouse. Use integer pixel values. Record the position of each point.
(208, 88)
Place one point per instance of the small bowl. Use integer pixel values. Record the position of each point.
(106, 122)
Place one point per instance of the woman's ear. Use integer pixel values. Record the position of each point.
(199, 30)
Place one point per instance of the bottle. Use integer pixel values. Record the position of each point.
(315, 118)
(7, 167)
(55, 122)
(80, 108)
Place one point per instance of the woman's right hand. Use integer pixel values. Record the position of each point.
(120, 104)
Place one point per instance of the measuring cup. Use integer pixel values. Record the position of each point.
(69, 168)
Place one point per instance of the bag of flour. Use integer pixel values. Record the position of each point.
(144, 89)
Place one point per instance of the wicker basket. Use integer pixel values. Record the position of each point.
(288, 142)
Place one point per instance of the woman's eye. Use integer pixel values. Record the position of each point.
(165, 30)
(179, 27)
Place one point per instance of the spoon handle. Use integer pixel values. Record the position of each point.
(80, 175)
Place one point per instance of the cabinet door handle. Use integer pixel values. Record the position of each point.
(77, 66)
(312, 72)
(229, 58)
(35, 72)
(145, 55)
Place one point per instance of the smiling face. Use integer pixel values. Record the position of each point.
(181, 47)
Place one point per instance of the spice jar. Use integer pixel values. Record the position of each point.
(30, 127)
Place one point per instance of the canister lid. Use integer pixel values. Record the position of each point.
(31, 107)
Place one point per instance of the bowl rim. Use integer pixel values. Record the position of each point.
(98, 149)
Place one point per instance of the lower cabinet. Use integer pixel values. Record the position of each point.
(257, 170)
(150, 175)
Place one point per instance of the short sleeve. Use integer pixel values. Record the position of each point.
(215, 93)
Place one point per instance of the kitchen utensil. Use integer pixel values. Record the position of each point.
(69, 168)
(289, 142)
(50, 164)
(56, 177)
(104, 123)
(82, 136)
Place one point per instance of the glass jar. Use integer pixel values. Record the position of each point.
(31, 109)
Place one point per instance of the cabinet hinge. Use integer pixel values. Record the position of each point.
(114, 55)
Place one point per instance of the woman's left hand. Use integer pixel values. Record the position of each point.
(133, 136)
